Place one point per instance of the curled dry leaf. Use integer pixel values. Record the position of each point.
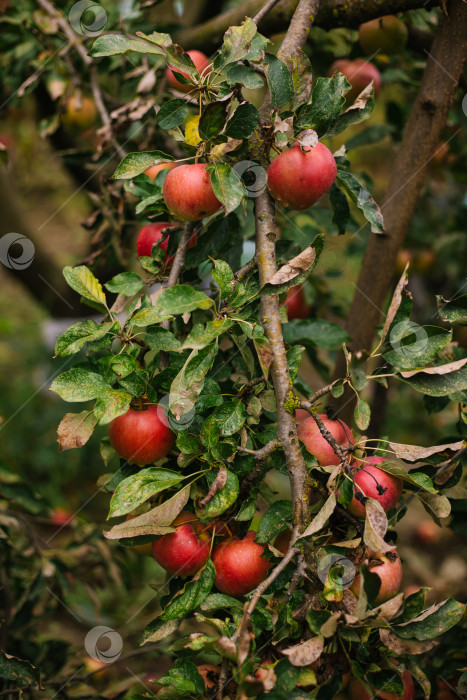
(321, 518)
(388, 609)
(414, 453)
(308, 138)
(362, 99)
(216, 486)
(439, 370)
(439, 505)
(294, 267)
(404, 646)
(376, 526)
(75, 429)
(283, 125)
(305, 653)
(396, 301)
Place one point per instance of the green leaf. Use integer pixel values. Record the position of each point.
(210, 432)
(161, 339)
(247, 511)
(227, 185)
(355, 114)
(223, 498)
(328, 98)
(117, 44)
(134, 164)
(432, 622)
(224, 277)
(189, 382)
(19, 670)
(230, 416)
(80, 333)
(81, 280)
(243, 121)
(436, 381)
(172, 113)
(137, 489)
(187, 443)
(363, 200)
(79, 384)
(340, 209)
(126, 283)
(202, 335)
(276, 518)
(159, 629)
(220, 600)
(279, 81)
(372, 134)
(75, 429)
(362, 414)
(185, 678)
(181, 299)
(246, 76)
(314, 331)
(212, 120)
(415, 346)
(192, 594)
(237, 42)
(294, 360)
(110, 404)
(148, 316)
(454, 311)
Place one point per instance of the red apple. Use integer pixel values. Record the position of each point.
(61, 516)
(239, 565)
(428, 532)
(210, 675)
(371, 480)
(359, 73)
(295, 303)
(299, 177)
(141, 436)
(185, 551)
(188, 193)
(201, 62)
(387, 34)
(389, 569)
(150, 234)
(316, 444)
(156, 169)
(446, 690)
(357, 691)
(301, 415)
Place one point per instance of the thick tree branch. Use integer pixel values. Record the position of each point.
(333, 13)
(420, 140)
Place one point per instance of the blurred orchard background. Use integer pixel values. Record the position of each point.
(47, 193)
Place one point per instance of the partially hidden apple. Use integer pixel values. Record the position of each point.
(185, 551)
(188, 193)
(141, 436)
(359, 691)
(239, 565)
(154, 170)
(298, 177)
(387, 34)
(387, 566)
(80, 112)
(295, 304)
(308, 432)
(210, 675)
(201, 62)
(373, 482)
(359, 73)
(151, 234)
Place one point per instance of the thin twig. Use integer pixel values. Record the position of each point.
(264, 452)
(338, 449)
(264, 11)
(222, 679)
(296, 578)
(322, 392)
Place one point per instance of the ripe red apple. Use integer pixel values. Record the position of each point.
(387, 34)
(404, 256)
(80, 112)
(201, 62)
(61, 516)
(357, 691)
(359, 73)
(295, 303)
(371, 480)
(389, 569)
(150, 234)
(301, 415)
(428, 532)
(298, 178)
(141, 436)
(210, 675)
(239, 565)
(185, 551)
(156, 169)
(446, 690)
(316, 444)
(188, 193)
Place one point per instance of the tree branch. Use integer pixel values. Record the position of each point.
(333, 13)
(421, 137)
(264, 11)
(338, 449)
(263, 453)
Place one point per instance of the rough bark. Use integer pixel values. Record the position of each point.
(421, 137)
(333, 13)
